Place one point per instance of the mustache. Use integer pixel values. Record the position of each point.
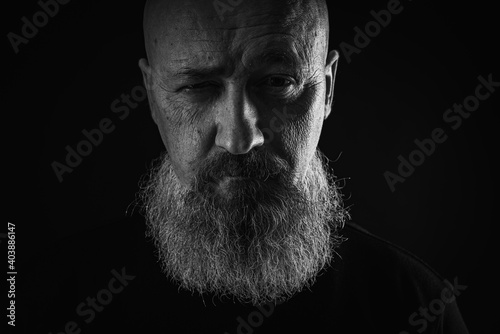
(255, 165)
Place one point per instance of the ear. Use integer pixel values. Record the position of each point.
(147, 78)
(146, 72)
(330, 74)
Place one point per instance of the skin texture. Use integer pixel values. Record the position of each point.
(214, 85)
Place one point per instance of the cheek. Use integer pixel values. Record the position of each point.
(301, 138)
(185, 141)
(185, 149)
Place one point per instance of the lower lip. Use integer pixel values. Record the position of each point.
(228, 179)
(229, 182)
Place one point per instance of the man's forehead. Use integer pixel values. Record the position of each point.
(277, 49)
(193, 31)
(228, 14)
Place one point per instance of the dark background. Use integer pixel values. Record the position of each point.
(395, 91)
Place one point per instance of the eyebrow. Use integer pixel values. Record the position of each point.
(277, 57)
(199, 73)
(269, 57)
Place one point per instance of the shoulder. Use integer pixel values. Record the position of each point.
(395, 286)
(364, 246)
(364, 254)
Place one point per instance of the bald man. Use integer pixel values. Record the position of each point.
(244, 215)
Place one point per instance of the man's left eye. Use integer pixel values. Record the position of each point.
(278, 81)
(280, 86)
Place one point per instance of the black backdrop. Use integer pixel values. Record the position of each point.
(65, 79)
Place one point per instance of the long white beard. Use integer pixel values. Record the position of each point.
(265, 242)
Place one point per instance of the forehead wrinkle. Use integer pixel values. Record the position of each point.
(283, 46)
(303, 37)
(301, 19)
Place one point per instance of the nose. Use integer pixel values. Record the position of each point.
(237, 123)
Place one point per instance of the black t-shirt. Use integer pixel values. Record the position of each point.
(110, 281)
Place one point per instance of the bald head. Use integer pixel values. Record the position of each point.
(170, 22)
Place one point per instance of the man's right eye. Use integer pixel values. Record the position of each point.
(198, 87)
